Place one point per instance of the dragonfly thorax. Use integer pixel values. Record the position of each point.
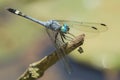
(65, 28)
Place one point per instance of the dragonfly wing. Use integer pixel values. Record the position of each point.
(60, 52)
(89, 29)
(85, 26)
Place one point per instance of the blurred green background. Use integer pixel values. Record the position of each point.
(21, 41)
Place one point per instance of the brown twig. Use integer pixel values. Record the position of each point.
(37, 69)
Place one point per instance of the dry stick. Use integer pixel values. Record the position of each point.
(37, 69)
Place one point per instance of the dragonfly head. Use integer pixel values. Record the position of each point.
(65, 28)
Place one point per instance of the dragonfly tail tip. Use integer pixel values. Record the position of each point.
(11, 10)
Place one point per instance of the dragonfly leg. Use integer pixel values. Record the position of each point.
(71, 35)
(56, 36)
(62, 37)
(68, 38)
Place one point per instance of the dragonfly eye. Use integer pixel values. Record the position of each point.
(65, 28)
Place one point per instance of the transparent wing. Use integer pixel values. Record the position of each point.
(60, 52)
(85, 26)
(89, 29)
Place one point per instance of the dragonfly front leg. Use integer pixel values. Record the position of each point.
(63, 37)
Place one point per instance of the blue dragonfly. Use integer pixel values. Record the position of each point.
(61, 31)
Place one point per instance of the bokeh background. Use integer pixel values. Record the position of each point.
(23, 42)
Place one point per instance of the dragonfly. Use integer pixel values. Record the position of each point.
(61, 31)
